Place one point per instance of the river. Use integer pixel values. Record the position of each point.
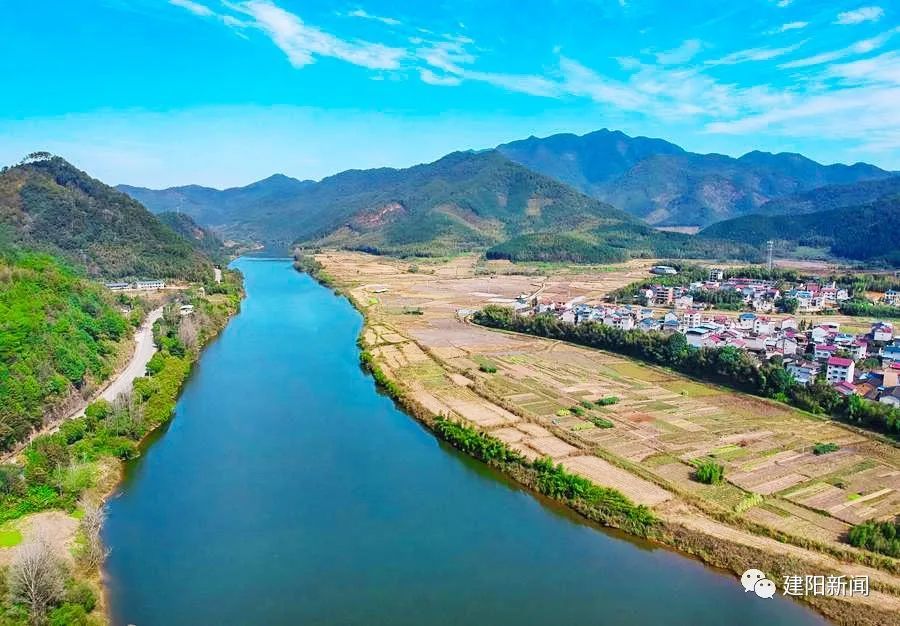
(287, 490)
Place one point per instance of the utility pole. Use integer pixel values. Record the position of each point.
(769, 247)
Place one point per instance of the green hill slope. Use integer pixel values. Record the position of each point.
(202, 238)
(58, 338)
(48, 204)
(833, 197)
(865, 233)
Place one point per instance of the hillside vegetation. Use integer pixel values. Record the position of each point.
(665, 185)
(200, 237)
(47, 204)
(58, 337)
(833, 197)
(866, 233)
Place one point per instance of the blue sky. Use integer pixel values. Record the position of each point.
(221, 93)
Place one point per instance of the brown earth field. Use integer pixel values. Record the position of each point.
(781, 505)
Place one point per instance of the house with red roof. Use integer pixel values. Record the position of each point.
(839, 370)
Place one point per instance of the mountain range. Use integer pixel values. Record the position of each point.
(462, 202)
(593, 198)
(665, 185)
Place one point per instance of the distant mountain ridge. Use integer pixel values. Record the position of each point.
(665, 185)
(48, 204)
(464, 201)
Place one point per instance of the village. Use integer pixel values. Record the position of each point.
(862, 363)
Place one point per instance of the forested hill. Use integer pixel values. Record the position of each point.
(465, 201)
(833, 197)
(867, 233)
(58, 336)
(202, 238)
(48, 204)
(665, 185)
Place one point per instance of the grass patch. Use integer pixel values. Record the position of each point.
(10, 537)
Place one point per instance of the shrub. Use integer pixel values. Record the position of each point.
(80, 593)
(825, 448)
(609, 400)
(69, 615)
(600, 422)
(488, 368)
(883, 537)
(710, 472)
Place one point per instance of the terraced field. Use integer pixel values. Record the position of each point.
(541, 397)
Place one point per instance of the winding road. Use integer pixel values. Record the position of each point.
(144, 349)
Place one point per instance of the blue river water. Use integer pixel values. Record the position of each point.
(287, 490)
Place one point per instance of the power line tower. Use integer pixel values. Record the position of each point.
(770, 245)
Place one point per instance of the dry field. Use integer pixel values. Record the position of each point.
(661, 422)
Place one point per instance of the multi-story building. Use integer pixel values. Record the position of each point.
(839, 370)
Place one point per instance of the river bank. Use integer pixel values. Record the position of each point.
(403, 365)
(76, 464)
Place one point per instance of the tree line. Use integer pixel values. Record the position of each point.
(728, 366)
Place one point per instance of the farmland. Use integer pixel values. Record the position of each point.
(540, 397)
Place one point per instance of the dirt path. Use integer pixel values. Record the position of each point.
(144, 349)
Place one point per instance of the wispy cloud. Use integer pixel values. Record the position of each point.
(303, 43)
(682, 54)
(447, 80)
(755, 54)
(858, 16)
(194, 7)
(790, 26)
(863, 46)
(390, 21)
(854, 99)
(783, 3)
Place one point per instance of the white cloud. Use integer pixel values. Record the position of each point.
(755, 54)
(682, 54)
(783, 3)
(431, 78)
(792, 26)
(884, 68)
(863, 46)
(857, 16)
(390, 21)
(194, 7)
(303, 43)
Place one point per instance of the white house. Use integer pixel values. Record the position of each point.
(150, 284)
(824, 352)
(892, 297)
(839, 370)
(684, 302)
(697, 337)
(882, 331)
(746, 321)
(804, 372)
